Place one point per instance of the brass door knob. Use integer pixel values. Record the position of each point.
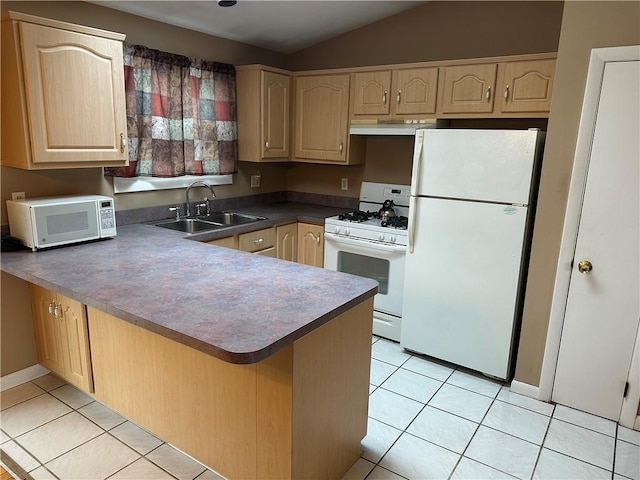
(585, 266)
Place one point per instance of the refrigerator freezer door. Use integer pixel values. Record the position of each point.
(483, 165)
(461, 283)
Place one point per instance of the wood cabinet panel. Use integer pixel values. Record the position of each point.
(371, 90)
(65, 91)
(322, 118)
(415, 90)
(227, 242)
(300, 413)
(287, 242)
(526, 86)
(264, 107)
(257, 240)
(468, 88)
(46, 330)
(62, 339)
(311, 244)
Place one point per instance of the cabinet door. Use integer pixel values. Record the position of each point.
(47, 329)
(371, 93)
(287, 242)
(257, 240)
(526, 86)
(311, 244)
(75, 341)
(415, 90)
(322, 111)
(74, 86)
(227, 242)
(276, 91)
(469, 88)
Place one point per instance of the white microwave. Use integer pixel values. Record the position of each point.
(54, 221)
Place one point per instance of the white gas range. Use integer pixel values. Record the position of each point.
(362, 243)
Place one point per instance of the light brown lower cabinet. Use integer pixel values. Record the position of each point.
(62, 340)
(311, 244)
(287, 242)
(299, 413)
(278, 242)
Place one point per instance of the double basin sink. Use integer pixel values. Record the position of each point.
(205, 223)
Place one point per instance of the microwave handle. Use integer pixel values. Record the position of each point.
(364, 244)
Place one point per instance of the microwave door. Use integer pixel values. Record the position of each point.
(61, 224)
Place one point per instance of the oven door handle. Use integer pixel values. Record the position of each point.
(364, 244)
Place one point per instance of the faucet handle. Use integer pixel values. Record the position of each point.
(199, 206)
(177, 210)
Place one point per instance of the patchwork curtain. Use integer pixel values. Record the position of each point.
(181, 115)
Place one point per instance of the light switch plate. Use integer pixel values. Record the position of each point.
(344, 184)
(17, 196)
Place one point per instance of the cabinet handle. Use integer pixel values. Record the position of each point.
(506, 93)
(266, 145)
(341, 147)
(398, 96)
(50, 308)
(488, 94)
(318, 240)
(123, 143)
(258, 241)
(384, 98)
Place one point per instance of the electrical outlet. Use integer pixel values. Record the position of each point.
(17, 196)
(255, 180)
(344, 184)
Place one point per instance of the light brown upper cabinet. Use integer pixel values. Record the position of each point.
(525, 86)
(468, 88)
(504, 89)
(408, 91)
(322, 120)
(264, 105)
(63, 100)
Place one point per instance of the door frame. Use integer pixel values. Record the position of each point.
(598, 60)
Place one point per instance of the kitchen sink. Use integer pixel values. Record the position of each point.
(205, 223)
(189, 225)
(230, 219)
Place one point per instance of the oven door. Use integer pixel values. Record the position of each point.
(383, 263)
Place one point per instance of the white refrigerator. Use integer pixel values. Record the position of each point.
(470, 217)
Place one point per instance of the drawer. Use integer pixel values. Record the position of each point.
(258, 240)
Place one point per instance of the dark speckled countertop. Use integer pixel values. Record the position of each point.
(236, 306)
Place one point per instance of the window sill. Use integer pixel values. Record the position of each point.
(146, 184)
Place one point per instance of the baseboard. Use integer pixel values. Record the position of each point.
(524, 389)
(22, 376)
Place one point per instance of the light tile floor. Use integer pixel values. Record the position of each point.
(427, 420)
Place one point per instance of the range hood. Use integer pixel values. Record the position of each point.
(406, 127)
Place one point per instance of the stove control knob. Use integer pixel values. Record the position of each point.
(392, 239)
(347, 231)
(336, 229)
(381, 237)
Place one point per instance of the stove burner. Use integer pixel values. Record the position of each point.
(359, 216)
(356, 216)
(396, 222)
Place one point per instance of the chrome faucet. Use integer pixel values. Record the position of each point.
(201, 184)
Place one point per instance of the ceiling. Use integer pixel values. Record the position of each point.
(284, 26)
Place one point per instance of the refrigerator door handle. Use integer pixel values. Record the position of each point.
(417, 157)
(411, 228)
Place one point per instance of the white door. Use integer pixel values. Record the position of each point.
(602, 308)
